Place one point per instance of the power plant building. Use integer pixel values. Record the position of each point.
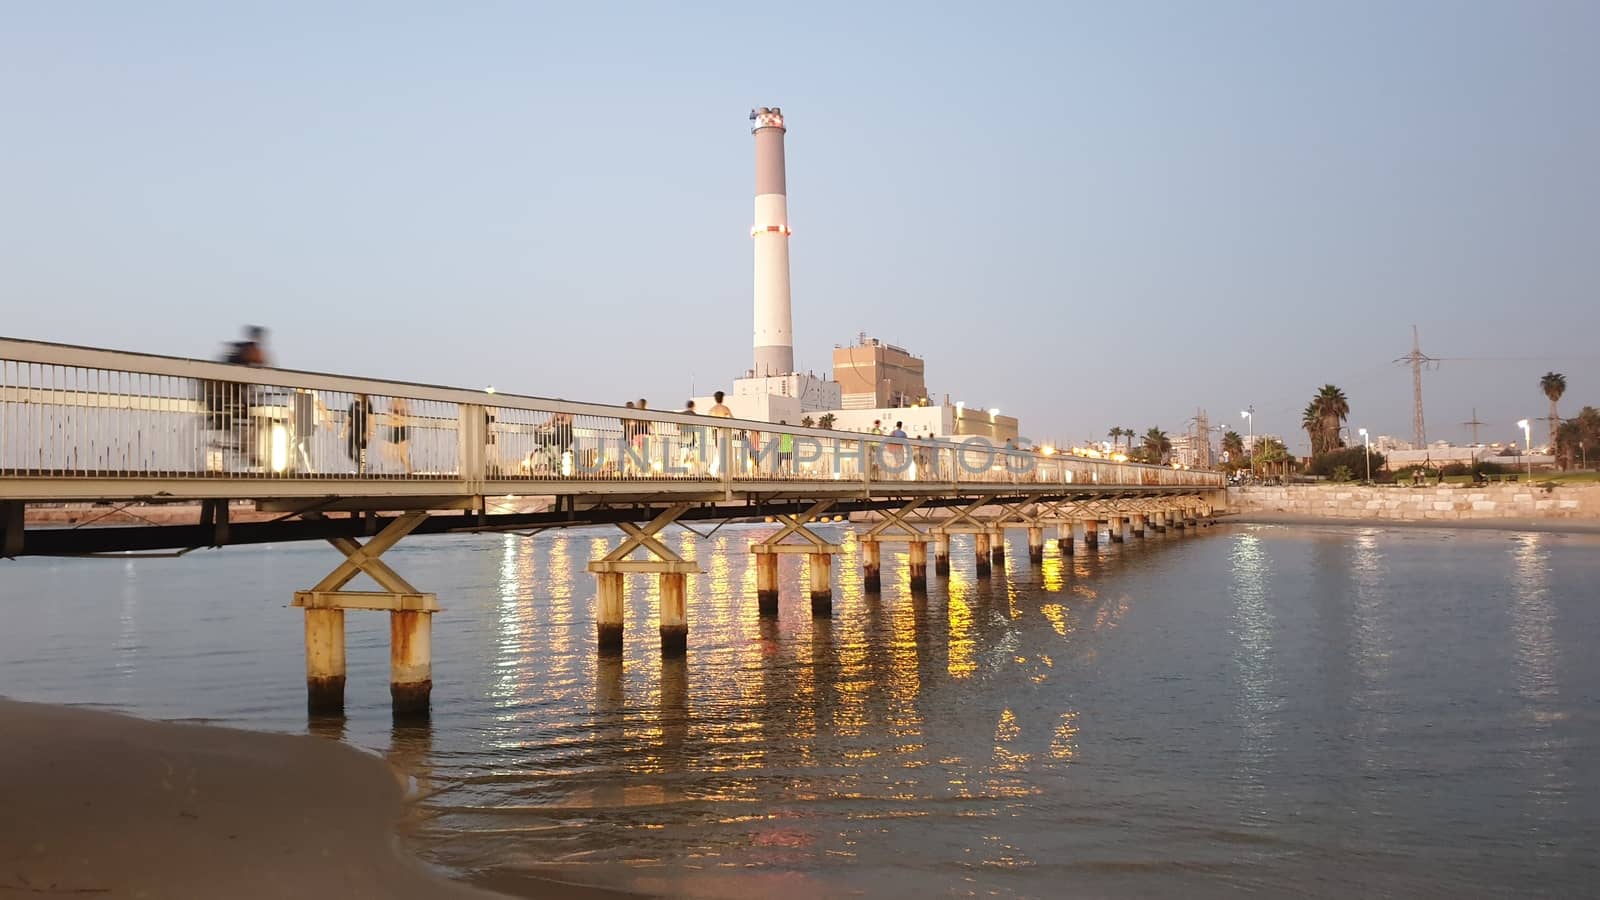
(876, 375)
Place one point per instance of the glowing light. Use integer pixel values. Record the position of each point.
(278, 453)
(1048, 450)
(489, 389)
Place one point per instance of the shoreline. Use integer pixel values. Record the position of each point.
(1548, 526)
(102, 803)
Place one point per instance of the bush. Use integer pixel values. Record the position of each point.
(1351, 459)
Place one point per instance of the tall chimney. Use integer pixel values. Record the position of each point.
(774, 338)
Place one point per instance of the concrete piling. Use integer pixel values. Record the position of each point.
(997, 547)
(608, 613)
(981, 540)
(1091, 533)
(767, 582)
(870, 580)
(821, 584)
(1064, 538)
(410, 662)
(941, 554)
(325, 662)
(1136, 524)
(675, 614)
(1035, 544)
(1114, 526)
(918, 552)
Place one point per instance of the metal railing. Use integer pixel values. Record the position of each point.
(77, 412)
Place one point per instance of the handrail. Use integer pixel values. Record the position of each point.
(68, 410)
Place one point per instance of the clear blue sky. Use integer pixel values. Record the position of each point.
(1085, 214)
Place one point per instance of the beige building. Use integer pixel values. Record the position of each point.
(875, 375)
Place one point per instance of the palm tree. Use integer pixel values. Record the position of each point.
(1114, 434)
(1233, 445)
(1156, 446)
(826, 422)
(1333, 408)
(1554, 384)
(1311, 421)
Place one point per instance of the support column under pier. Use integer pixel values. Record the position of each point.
(1091, 533)
(918, 552)
(870, 575)
(767, 582)
(941, 554)
(1035, 544)
(410, 624)
(675, 614)
(1064, 538)
(410, 662)
(325, 662)
(1114, 526)
(1136, 524)
(608, 613)
(819, 550)
(981, 540)
(997, 546)
(822, 584)
(672, 570)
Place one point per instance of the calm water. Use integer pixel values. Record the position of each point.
(1281, 710)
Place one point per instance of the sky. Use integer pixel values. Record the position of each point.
(1083, 214)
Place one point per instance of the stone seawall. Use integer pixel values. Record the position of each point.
(1447, 503)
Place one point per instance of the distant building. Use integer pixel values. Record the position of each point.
(945, 421)
(875, 375)
(1191, 450)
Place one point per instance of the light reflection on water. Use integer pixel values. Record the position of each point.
(1274, 709)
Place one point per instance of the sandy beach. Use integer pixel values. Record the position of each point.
(104, 805)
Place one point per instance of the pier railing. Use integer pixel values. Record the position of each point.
(78, 412)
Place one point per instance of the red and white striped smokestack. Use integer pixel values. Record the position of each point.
(774, 335)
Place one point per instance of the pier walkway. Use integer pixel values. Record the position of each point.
(347, 459)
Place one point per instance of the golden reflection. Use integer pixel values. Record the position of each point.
(1053, 574)
(1007, 732)
(1057, 614)
(905, 676)
(961, 654)
(1064, 744)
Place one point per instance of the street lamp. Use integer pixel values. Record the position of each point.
(1249, 415)
(1367, 439)
(1526, 440)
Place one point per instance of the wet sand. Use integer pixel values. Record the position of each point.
(98, 804)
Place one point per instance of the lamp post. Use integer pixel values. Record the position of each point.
(1249, 416)
(1367, 440)
(1526, 440)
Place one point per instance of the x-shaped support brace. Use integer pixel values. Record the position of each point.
(897, 519)
(646, 537)
(797, 525)
(360, 557)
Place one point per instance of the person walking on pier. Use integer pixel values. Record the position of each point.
(357, 431)
(689, 442)
(720, 411)
(785, 451)
(400, 433)
(897, 449)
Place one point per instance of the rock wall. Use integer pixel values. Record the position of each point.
(1445, 503)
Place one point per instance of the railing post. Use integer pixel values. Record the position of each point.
(472, 446)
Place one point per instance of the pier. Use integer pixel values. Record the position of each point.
(366, 463)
